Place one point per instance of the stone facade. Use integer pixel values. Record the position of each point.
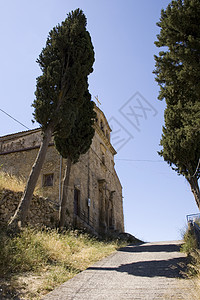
(95, 193)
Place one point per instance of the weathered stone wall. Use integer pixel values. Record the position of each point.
(42, 211)
(20, 164)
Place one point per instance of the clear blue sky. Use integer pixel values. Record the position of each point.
(156, 200)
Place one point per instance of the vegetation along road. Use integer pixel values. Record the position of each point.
(146, 271)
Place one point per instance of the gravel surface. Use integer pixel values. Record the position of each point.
(147, 271)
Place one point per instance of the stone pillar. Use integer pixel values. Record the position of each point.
(102, 208)
(111, 211)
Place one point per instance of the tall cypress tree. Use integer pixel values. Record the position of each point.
(77, 143)
(178, 75)
(65, 62)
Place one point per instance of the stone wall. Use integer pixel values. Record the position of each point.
(20, 163)
(42, 211)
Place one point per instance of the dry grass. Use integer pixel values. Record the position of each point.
(15, 184)
(11, 182)
(35, 262)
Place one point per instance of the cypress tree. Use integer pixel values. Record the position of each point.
(65, 62)
(178, 75)
(77, 143)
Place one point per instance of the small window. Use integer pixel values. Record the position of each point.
(107, 135)
(48, 179)
(101, 126)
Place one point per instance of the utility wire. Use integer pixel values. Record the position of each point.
(148, 160)
(140, 160)
(14, 119)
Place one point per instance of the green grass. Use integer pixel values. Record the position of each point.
(36, 261)
(190, 243)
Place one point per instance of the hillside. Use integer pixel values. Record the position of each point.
(38, 259)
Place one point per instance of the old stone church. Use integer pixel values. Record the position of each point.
(95, 192)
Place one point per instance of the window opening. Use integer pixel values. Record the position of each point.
(48, 179)
(101, 126)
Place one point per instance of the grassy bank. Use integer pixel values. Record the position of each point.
(190, 247)
(15, 184)
(11, 182)
(35, 262)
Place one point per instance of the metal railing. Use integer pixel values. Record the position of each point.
(89, 221)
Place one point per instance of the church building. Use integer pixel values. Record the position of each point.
(95, 192)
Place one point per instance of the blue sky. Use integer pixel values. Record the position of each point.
(156, 200)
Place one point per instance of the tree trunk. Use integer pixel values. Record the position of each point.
(193, 181)
(19, 218)
(63, 206)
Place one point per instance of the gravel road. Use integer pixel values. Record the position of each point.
(147, 271)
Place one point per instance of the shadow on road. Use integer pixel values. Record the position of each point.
(151, 248)
(171, 268)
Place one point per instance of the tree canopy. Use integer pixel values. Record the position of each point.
(80, 138)
(178, 75)
(66, 61)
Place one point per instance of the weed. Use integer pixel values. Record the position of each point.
(190, 242)
(190, 247)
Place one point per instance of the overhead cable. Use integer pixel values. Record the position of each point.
(14, 119)
(139, 160)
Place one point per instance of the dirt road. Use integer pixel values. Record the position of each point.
(148, 271)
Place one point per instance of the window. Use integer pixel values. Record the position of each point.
(107, 135)
(103, 152)
(101, 126)
(48, 179)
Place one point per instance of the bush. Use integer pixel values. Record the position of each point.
(190, 247)
(190, 243)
